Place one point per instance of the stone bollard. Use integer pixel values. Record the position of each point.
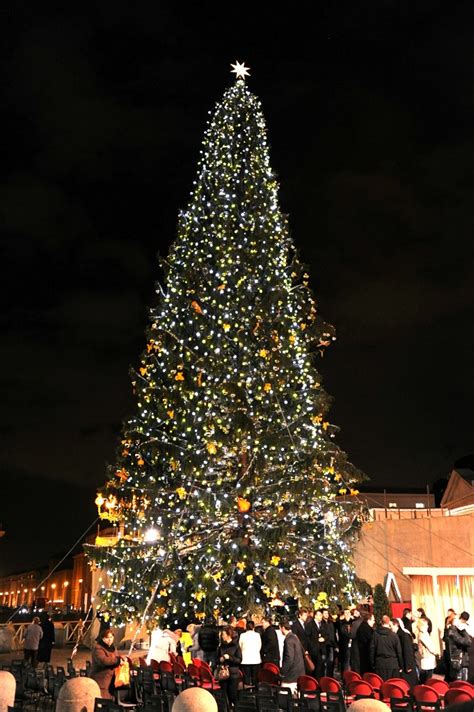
(59, 635)
(78, 695)
(7, 690)
(195, 699)
(368, 705)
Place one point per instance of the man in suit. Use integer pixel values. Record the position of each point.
(293, 665)
(270, 646)
(317, 642)
(299, 628)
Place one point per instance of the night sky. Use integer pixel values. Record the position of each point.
(369, 107)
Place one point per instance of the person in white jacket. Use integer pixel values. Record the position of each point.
(163, 642)
(250, 644)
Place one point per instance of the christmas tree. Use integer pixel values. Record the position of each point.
(229, 487)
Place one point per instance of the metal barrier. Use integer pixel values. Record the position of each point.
(73, 631)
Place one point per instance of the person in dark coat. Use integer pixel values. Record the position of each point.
(270, 648)
(317, 643)
(47, 641)
(329, 633)
(408, 653)
(293, 665)
(363, 640)
(386, 651)
(299, 628)
(459, 642)
(104, 662)
(343, 632)
(208, 639)
(230, 654)
(354, 653)
(407, 620)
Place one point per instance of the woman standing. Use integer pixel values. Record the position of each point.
(104, 662)
(229, 654)
(426, 650)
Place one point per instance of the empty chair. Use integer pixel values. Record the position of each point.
(358, 689)
(165, 666)
(305, 683)
(401, 682)
(457, 694)
(374, 679)
(102, 704)
(331, 695)
(125, 698)
(329, 684)
(308, 691)
(272, 667)
(267, 677)
(426, 698)
(390, 690)
(350, 675)
(193, 672)
(460, 683)
(441, 686)
(207, 679)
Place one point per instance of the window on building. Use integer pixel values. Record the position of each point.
(392, 505)
(419, 505)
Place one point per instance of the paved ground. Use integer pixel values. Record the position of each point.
(60, 656)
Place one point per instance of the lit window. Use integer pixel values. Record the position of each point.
(419, 505)
(392, 505)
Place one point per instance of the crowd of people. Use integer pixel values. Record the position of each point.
(315, 643)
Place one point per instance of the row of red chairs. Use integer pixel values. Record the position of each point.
(437, 693)
(441, 686)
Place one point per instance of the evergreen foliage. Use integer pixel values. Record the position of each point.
(229, 486)
(381, 603)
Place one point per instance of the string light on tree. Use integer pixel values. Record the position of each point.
(230, 453)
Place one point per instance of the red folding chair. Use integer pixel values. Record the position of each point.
(460, 683)
(426, 698)
(307, 689)
(457, 694)
(331, 692)
(155, 666)
(197, 662)
(193, 672)
(305, 683)
(441, 686)
(373, 679)
(272, 667)
(165, 666)
(267, 677)
(359, 689)
(207, 679)
(390, 691)
(350, 675)
(401, 682)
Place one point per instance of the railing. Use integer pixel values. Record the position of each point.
(67, 632)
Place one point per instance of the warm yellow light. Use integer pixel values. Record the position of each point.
(53, 585)
(66, 583)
